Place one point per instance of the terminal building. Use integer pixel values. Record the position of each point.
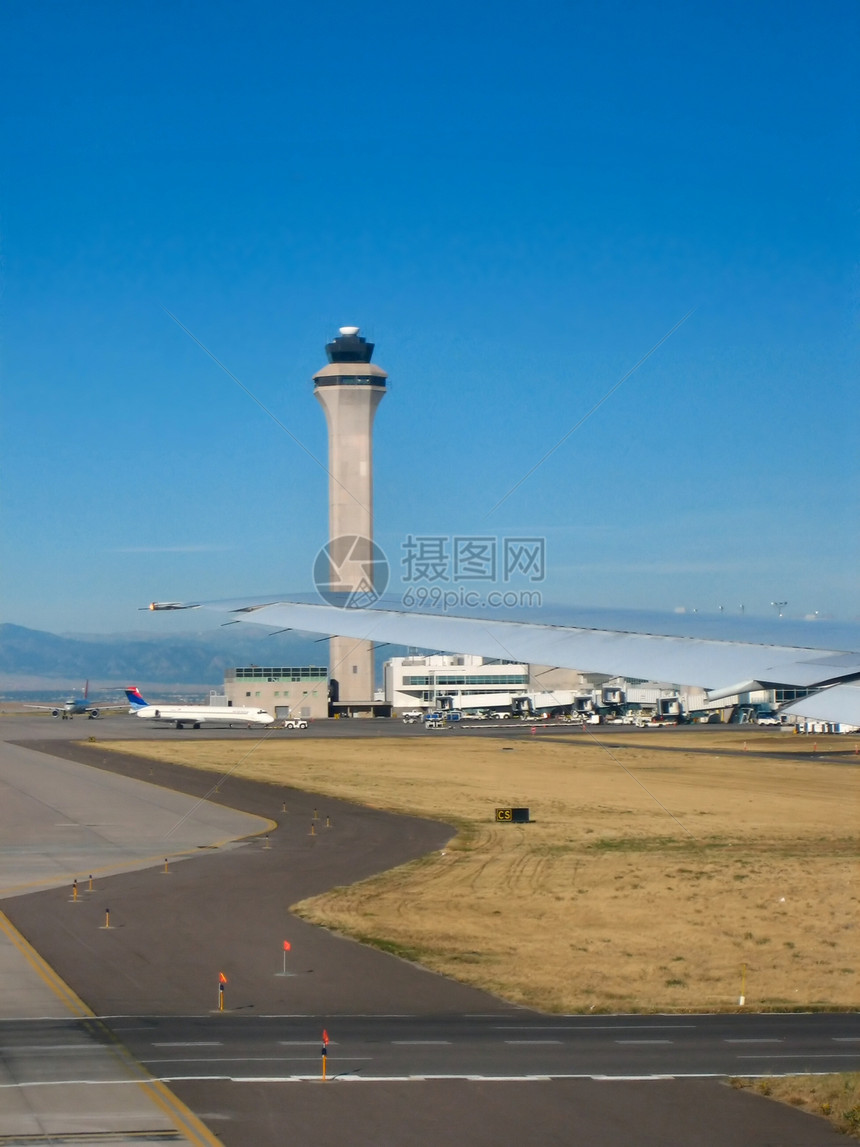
(465, 681)
(478, 684)
(472, 684)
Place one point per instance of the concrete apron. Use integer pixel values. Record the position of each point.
(63, 1077)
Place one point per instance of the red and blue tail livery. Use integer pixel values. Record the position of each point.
(134, 697)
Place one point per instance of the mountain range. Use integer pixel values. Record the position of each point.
(31, 657)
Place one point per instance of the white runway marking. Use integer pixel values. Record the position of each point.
(352, 1078)
(649, 1042)
(239, 1059)
(591, 1027)
(192, 1043)
(752, 1040)
(804, 1055)
(630, 1078)
(532, 1042)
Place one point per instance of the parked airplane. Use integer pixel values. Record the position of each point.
(195, 715)
(724, 656)
(78, 707)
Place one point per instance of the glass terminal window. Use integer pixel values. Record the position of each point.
(281, 673)
(484, 679)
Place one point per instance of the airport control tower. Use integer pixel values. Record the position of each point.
(349, 388)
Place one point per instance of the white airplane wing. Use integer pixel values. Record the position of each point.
(722, 665)
(830, 704)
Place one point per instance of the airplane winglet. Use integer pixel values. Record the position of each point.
(156, 605)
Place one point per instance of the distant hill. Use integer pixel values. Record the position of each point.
(200, 658)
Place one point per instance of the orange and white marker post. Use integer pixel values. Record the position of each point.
(287, 947)
(324, 1051)
(222, 980)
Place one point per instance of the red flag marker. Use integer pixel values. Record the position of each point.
(222, 979)
(325, 1038)
(287, 948)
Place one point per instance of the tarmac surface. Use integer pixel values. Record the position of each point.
(59, 820)
(249, 1072)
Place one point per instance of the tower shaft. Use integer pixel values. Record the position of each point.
(349, 390)
(349, 413)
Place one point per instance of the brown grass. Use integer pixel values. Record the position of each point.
(615, 898)
(837, 1097)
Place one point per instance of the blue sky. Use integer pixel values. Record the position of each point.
(516, 203)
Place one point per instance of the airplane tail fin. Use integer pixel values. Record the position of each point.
(134, 697)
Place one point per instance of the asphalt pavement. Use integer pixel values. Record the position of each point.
(426, 1058)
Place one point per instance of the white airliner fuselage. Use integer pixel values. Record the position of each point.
(197, 715)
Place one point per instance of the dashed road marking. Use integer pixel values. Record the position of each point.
(532, 1042)
(649, 1042)
(192, 1043)
(751, 1040)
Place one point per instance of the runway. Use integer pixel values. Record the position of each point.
(238, 1048)
(467, 1060)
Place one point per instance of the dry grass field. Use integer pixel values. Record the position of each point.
(836, 1097)
(657, 864)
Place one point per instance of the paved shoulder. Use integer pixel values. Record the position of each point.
(61, 820)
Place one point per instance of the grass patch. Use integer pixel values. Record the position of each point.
(639, 844)
(835, 1097)
(581, 909)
